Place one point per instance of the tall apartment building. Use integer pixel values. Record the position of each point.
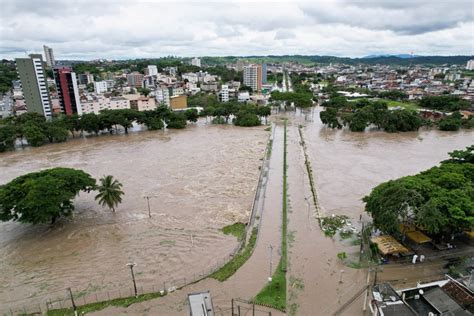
(470, 64)
(86, 78)
(152, 70)
(49, 56)
(264, 73)
(253, 77)
(196, 61)
(33, 82)
(66, 84)
(135, 80)
(224, 93)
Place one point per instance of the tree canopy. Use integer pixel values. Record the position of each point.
(440, 200)
(44, 196)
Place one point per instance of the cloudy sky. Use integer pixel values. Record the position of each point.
(118, 29)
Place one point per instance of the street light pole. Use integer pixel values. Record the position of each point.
(131, 265)
(271, 253)
(72, 301)
(148, 197)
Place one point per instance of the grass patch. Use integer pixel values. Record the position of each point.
(331, 224)
(239, 259)
(274, 293)
(268, 129)
(236, 229)
(167, 242)
(402, 104)
(120, 302)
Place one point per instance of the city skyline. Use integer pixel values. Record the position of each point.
(147, 29)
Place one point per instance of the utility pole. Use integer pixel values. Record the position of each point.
(72, 301)
(131, 265)
(148, 197)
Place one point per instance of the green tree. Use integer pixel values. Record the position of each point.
(55, 131)
(191, 115)
(451, 122)
(90, 123)
(329, 117)
(34, 134)
(44, 196)
(264, 111)
(110, 192)
(7, 137)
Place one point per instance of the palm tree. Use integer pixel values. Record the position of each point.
(110, 192)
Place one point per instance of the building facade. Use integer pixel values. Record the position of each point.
(470, 64)
(100, 87)
(135, 80)
(68, 93)
(253, 77)
(152, 70)
(49, 56)
(33, 82)
(196, 61)
(224, 94)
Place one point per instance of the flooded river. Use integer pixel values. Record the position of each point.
(348, 165)
(201, 179)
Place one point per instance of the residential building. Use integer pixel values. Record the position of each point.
(93, 104)
(178, 102)
(162, 96)
(209, 87)
(196, 62)
(152, 70)
(86, 78)
(264, 73)
(68, 93)
(243, 97)
(135, 79)
(141, 103)
(49, 56)
(6, 105)
(33, 82)
(470, 64)
(224, 94)
(191, 77)
(100, 87)
(253, 77)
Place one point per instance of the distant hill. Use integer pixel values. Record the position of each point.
(391, 55)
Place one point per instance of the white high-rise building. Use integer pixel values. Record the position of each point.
(152, 70)
(470, 64)
(100, 87)
(49, 56)
(196, 61)
(253, 77)
(224, 93)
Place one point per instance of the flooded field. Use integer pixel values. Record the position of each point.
(202, 178)
(348, 165)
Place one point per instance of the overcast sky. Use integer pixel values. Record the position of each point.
(117, 29)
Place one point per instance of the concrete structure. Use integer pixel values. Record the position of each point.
(68, 93)
(86, 78)
(253, 77)
(135, 80)
(143, 103)
(152, 70)
(49, 56)
(191, 77)
(33, 82)
(6, 105)
(264, 73)
(200, 304)
(100, 87)
(97, 104)
(224, 94)
(243, 97)
(178, 102)
(196, 62)
(470, 65)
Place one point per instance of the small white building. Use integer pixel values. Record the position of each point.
(470, 64)
(152, 70)
(100, 87)
(224, 94)
(243, 97)
(196, 61)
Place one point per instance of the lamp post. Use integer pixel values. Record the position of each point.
(131, 265)
(72, 301)
(148, 197)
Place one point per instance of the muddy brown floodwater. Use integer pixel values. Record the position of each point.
(348, 165)
(203, 178)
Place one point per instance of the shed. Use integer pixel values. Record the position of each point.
(388, 245)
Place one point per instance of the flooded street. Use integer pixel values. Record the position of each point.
(203, 178)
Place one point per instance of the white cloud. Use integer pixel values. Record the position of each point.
(127, 29)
